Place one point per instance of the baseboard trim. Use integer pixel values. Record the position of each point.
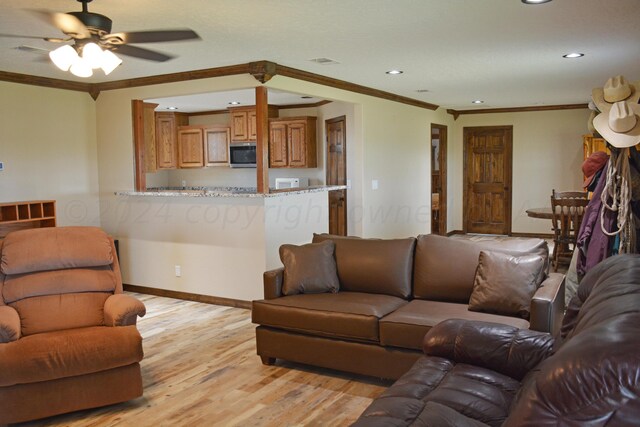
(207, 299)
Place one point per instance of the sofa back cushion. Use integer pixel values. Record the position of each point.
(594, 376)
(377, 266)
(445, 267)
(58, 278)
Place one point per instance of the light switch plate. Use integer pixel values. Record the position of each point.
(374, 184)
(1, 166)
(348, 184)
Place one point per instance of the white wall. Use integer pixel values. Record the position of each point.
(547, 154)
(48, 146)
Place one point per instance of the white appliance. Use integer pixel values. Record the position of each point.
(282, 183)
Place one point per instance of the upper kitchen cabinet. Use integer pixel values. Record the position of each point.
(190, 147)
(292, 143)
(166, 138)
(243, 122)
(216, 145)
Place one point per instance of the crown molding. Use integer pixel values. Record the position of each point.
(457, 113)
(44, 81)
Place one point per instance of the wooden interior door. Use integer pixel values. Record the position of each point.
(337, 174)
(438, 144)
(487, 179)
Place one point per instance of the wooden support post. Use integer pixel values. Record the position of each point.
(137, 109)
(262, 140)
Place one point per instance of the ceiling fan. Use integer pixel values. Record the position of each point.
(94, 45)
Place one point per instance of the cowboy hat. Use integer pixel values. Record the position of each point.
(620, 126)
(615, 89)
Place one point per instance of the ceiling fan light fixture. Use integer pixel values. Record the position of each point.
(110, 61)
(81, 68)
(92, 53)
(64, 57)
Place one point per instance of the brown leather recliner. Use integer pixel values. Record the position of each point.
(68, 339)
(480, 373)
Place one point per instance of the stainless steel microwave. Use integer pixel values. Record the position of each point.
(242, 154)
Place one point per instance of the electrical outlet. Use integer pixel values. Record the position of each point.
(184, 183)
(178, 271)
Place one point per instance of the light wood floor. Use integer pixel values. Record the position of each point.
(201, 369)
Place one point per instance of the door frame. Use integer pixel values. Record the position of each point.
(442, 222)
(508, 176)
(327, 122)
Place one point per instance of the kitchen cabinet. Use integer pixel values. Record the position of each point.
(216, 145)
(166, 138)
(292, 143)
(190, 147)
(243, 122)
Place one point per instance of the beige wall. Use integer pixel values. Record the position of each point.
(48, 146)
(547, 154)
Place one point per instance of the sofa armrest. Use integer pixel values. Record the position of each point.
(501, 348)
(10, 325)
(122, 310)
(547, 305)
(272, 280)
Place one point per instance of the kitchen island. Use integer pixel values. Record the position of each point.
(212, 241)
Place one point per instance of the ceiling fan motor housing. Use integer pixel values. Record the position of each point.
(96, 23)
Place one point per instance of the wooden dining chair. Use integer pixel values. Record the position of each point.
(567, 211)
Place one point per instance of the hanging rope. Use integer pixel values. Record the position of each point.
(617, 189)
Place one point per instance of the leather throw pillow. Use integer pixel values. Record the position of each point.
(504, 284)
(309, 269)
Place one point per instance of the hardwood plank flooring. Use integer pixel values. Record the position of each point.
(201, 369)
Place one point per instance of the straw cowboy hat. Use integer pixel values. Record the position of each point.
(620, 126)
(615, 89)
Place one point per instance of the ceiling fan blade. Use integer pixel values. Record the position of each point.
(154, 36)
(66, 23)
(47, 39)
(138, 52)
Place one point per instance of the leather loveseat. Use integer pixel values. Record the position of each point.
(391, 293)
(480, 373)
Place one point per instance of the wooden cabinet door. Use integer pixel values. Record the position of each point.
(190, 148)
(239, 126)
(149, 130)
(216, 146)
(251, 124)
(297, 144)
(166, 149)
(277, 145)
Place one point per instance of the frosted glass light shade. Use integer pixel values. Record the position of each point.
(92, 53)
(110, 62)
(64, 57)
(81, 68)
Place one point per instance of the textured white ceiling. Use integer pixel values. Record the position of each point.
(501, 51)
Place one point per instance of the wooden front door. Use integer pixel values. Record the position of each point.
(337, 174)
(487, 179)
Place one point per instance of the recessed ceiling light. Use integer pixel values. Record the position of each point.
(477, 101)
(172, 108)
(573, 55)
(535, 1)
(422, 90)
(234, 103)
(394, 72)
(306, 97)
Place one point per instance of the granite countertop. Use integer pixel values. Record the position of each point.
(225, 191)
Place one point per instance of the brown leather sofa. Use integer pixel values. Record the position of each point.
(68, 339)
(392, 292)
(479, 373)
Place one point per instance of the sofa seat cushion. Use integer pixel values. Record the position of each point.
(407, 326)
(351, 315)
(67, 353)
(437, 391)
